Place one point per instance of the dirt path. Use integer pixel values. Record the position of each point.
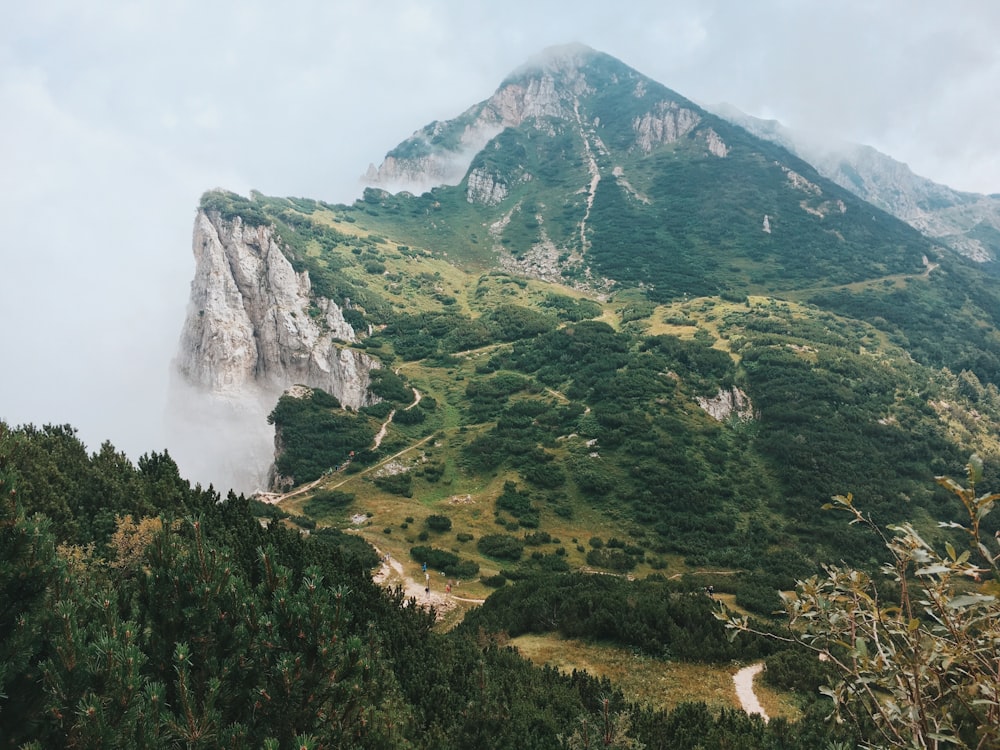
(382, 430)
(273, 498)
(385, 425)
(392, 573)
(416, 399)
(744, 689)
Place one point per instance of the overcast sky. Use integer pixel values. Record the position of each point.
(115, 116)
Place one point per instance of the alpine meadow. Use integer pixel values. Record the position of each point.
(593, 398)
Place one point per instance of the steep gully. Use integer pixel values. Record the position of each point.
(595, 176)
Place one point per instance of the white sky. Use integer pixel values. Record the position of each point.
(115, 116)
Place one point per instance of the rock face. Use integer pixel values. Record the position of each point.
(252, 323)
(252, 330)
(728, 404)
(547, 89)
(484, 188)
(665, 124)
(441, 153)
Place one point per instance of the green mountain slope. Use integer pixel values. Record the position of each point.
(633, 320)
(628, 338)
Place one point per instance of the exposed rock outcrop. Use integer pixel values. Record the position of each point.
(547, 89)
(253, 324)
(485, 188)
(716, 146)
(728, 404)
(253, 329)
(665, 124)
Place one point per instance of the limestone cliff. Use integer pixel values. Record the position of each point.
(253, 329)
(252, 323)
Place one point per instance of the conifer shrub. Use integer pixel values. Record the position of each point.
(501, 546)
(438, 523)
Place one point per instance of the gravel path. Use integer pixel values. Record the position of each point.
(744, 689)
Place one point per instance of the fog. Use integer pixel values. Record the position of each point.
(116, 116)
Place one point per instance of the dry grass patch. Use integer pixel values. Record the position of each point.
(659, 683)
(662, 684)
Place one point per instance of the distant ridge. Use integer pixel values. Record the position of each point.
(969, 223)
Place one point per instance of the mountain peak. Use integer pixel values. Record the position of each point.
(558, 59)
(553, 86)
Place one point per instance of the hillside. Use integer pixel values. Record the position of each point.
(968, 223)
(577, 373)
(629, 320)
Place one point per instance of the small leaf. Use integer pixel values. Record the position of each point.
(913, 625)
(932, 570)
(975, 468)
(968, 600)
(950, 484)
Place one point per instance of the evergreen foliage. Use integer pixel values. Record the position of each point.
(653, 616)
(316, 435)
(231, 634)
(138, 611)
(915, 661)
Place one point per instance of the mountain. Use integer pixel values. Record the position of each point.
(968, 223)
(602, 178)
(581, 401)
(614, 316)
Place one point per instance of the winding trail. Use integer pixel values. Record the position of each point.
(744, 689)
(385, 425)
(393, 573)
(273, 498)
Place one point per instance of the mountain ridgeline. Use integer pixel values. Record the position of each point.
(613, 267)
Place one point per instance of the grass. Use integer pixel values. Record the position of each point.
(644, 679)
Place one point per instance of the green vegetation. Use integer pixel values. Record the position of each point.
(328, 502)
(501, 546)
(316, 435)
(659, 617)
(921, 636)
(685, 400)
(199, 627)
(438, 523)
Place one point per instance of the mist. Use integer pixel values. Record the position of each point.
(225, 442)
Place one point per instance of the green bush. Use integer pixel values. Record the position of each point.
(501, 546)
(326, 502)
(612, 559)
(396, 484)
(438, 523)
(409, 416)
